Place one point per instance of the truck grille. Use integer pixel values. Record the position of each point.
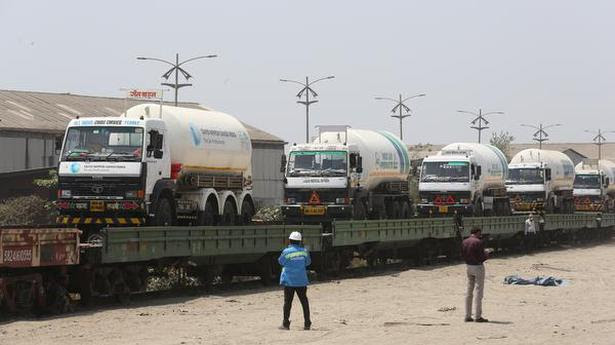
(439, 198)
(107, 187)
(325, 196)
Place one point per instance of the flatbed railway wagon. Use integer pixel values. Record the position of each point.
(34, 267)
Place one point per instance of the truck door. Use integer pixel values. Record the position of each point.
(157, 157)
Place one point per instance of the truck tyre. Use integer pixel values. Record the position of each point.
(358, 210)
(164, 213)
(229, 215)
(208, 216)
(394, 210)
(405, 212)
(247, 212)
(478, 208)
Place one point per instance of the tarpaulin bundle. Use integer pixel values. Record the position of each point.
(542, 281)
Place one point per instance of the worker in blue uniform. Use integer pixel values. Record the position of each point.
(294, 261)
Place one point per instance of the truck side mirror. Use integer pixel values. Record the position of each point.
(159, 142)
(283, 164)
(157, 154)
(58, 145)
(359, 168)
(479, 171)
(548, 174)
(606, 182)
(352, 160)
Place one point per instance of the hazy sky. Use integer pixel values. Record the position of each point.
(549, 61)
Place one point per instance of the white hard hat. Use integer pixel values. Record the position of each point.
(295, 236)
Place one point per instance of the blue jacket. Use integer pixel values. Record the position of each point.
(294, 260)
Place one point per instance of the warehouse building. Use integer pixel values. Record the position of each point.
(32, 125)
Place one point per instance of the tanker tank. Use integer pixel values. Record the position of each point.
(202, 140)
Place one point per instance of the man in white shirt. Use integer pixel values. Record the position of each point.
(530, 232)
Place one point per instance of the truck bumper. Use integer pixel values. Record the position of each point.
(315, 213)
(122, 221)
(527, 206)
(431, 209)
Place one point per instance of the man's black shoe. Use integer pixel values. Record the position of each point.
(307, 326)
(468, 319)
(480, 319)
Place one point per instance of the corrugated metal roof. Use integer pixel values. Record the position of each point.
(50, 112)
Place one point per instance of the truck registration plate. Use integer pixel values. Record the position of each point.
(314, 210)
(97, 206)
(443, 209)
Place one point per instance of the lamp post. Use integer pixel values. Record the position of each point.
(540, 135)
(599, 140)
(480, 118)
(176, 67)
(307, 90)
(399, 109)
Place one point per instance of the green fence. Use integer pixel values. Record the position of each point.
(500, 227)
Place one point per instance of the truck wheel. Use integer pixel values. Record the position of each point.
(164, 214)
(478, 208)
(358, 210)
(247, 212)
(207, 217)
(394, 210)
(229, 215)
(405, 212)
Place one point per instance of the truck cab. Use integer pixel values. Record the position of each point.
(317, 182)
(448, 184)
(528, 185)
(109, 169)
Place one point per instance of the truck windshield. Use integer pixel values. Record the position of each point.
(525, 176)
(103, 144)
(317, 163)
(445, 172)
(587, 182)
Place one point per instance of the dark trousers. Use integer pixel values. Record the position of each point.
(289, 294)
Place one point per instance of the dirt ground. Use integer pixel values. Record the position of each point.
(414, 306)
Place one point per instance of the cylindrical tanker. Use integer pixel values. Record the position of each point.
(347, 173)
(541, 179)
(202, 140)
(385, 157)
(605, 168)
(560, 165)
(464, 178)
(492, 161)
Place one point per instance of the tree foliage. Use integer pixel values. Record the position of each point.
(502, 141)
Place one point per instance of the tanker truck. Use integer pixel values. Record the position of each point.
(464, 178)
(155, 165)
(541, 180)
(594, 186)
(346, 173)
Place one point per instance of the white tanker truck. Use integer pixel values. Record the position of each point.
(594, 186)
(347, 173)
(541, 180)
(465, 178)
(188, 166)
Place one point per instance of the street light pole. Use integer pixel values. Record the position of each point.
(599, 140)
(176, 67)
(400, 107)
(540, 135)
(480, 118)
(307, 90)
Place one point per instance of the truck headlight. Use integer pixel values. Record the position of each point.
(424, 201)
(133, 194)
(540, 199)
(464, 201)
(65, 193)
(340, 200)
(291, 200)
